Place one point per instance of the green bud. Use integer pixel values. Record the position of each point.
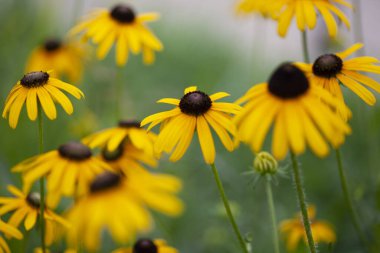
(265, 163)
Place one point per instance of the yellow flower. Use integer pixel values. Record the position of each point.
(118, 204)
(111, 138)
(9, 231)
(331, 70)
(194, 111)
(306, 12)
(294, 230)
(127, 157)
(27, 207)
(302, 113)
(122, 26)
(264, 7)
(65, 58)
(68, 170)
(148, 246)
(38, 88)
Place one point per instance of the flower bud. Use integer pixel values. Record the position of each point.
(265, 163)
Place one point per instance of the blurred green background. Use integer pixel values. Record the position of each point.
(224, 57)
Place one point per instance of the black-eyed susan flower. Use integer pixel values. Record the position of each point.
(27, 207)
(118, 204)
(331, 70)
(111, 138)
(68, 170)
(124, 28)
(38, 88)
(127, 157)
(195, 111)
(294, 231)
(146, 245)
(306, 12)
(65, 58)
(263, 7)
(9, 231)
(301, 112)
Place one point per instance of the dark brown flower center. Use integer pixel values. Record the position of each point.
(328, 65)
(145, 246)
(52, 45)
(105, 181)
(195, 103)
(129, 123)
(114, 155)
(34, 199)
(123, 14)
(34, 79)
(75, 151)
(288, 81)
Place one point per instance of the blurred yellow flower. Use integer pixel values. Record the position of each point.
(27, 207)
(127, 157)
(122, 26)
(294, 230)
(68, 170)
(331, 70)
(118, 204)
(148, 246)
(111, 138)
(38, 88)
(302, 113)
(194, 111)
(264, 7)
(10, 231)
(65, 58)
(306, 12)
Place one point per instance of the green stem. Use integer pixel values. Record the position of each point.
(42, 181)
(119, 93)
(273, 214)
(305, 48)
(302, 203)
(354, 216)
(228, 209)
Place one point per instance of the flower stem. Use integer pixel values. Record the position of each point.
(302, 203)
(273, 214)
(228, 209)
(119, 93)
(305, 48)
(354, 216)
(42, 180)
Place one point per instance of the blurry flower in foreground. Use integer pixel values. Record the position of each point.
(122, 26)
(264, 7)
(68, 170)
(65, 58)
(10, 231)
(27, 208)
(331, 70)
(38, 88)
(111, 138)
(118, 204)
(127, 157)
(294, 230)
(148, 246)
(194, 111)
(305, 13)
(300, 111)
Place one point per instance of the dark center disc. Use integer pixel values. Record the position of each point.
(145, 246)
(195, 103)
(123, 13)
(34, 79)
(105, 181)
(34, 199)
(328, 65)
(288, 81)
(52, 45)
(75, 151)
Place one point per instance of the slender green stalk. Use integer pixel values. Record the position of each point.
(228, 209)
(302, 203)
(272, 211)
(119, 93)
(354, 216)
(42, 181)
(305, 48)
